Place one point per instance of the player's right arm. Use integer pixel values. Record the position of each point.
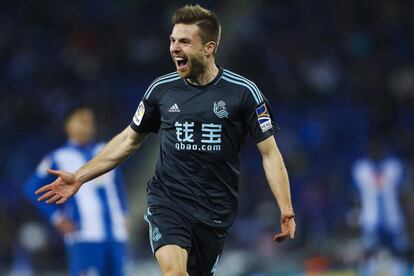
(146, 119)
(114, 153)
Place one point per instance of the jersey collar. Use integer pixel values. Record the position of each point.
(213, 82)
(74, 144)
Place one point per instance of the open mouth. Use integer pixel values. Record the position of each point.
(181, 62)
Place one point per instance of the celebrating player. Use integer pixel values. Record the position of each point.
(204, 112)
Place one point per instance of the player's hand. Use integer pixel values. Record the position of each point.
(65, 226)
(288, 226)
(61, 189)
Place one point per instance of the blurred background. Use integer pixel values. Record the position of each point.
(337, 74)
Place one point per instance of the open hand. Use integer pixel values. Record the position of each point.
(61, 189)
(288, 226)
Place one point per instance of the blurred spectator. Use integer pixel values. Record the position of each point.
(92, 223)
(379, 178)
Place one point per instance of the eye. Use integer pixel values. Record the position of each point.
(185, 41)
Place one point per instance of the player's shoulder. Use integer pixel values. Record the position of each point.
(65, 152)
(242, 84)
(61, 150)
(361, 164)
(393, 162)
(163, 82)
(53, 157)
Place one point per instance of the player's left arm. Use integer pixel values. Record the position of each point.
(278, 180)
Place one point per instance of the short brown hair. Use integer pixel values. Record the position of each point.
(206, 20)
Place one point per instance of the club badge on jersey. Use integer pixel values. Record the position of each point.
(139, 113)
(263, 117)
(220, 109)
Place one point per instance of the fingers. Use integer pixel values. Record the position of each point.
(281, 237)
(292, 229)
(70, 227)
(61, 201)
(53, 199)
(65, 226)
(288, 227)
(43, 189)
(54, 172)
(46, 195)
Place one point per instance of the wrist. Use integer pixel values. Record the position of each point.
(78, 179)
(288, 212)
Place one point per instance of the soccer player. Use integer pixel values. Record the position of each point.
(378, 178)
(204, 112)
(92, 223)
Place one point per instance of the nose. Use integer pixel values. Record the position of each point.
(174, 47)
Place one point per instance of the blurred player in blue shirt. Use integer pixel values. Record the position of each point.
(92, 223)
(378, 178)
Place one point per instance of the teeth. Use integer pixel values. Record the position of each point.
(179, 58)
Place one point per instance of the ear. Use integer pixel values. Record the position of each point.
(210, 48)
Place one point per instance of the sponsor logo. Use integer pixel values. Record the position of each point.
(210, 137)
(220, 109)
(195, 147)
(263, 117)
(174, 108)
(139, 113)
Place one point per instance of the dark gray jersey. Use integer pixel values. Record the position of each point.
(202, 131)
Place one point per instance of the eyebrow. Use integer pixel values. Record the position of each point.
(183, 39)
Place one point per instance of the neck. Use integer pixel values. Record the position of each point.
(79, 142)
(208, 74)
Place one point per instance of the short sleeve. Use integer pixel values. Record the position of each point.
(258, 117)
(39, 178)
(147, 116)
(44, 165)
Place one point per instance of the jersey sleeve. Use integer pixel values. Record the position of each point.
(38, 179)
(147, 116)
(258, 116)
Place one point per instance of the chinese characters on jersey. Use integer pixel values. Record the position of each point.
(210, 137)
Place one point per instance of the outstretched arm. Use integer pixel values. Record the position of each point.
(277, 177)
(115, 152)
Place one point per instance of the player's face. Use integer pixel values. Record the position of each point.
(81, 126)
(187, 51)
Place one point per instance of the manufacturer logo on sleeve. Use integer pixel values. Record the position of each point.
(263, 117)
(174, 108)
(220, 109)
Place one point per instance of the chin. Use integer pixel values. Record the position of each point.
(184, 74)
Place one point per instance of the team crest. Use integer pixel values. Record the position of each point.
(139, 113)
(220, 109)
(263, 117)
(156, 235)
